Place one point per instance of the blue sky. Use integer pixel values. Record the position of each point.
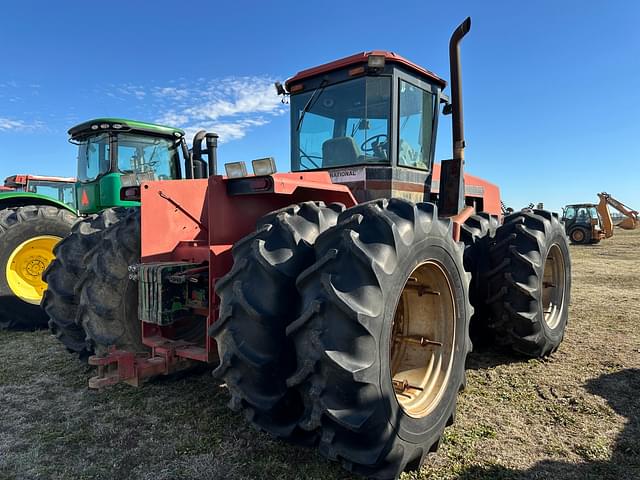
(551, 88)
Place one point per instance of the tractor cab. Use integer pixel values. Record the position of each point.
(60, 189)
(116, 155)
(370, 119)
(583, 223)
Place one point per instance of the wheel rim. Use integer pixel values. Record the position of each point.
(25, 266)
(578, 236)
(422, 340)
(553, 284)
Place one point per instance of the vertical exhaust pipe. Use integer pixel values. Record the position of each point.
(198, 165)
(212, 152)
(451, 197)
(456, 88)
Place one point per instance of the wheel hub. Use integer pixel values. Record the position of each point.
(553, 286)
(25, 267)
(422, 339)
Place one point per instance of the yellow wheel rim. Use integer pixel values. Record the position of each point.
(423, 340)
(26, 265)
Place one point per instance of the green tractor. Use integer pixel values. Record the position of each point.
(36, 212)
(114, 157)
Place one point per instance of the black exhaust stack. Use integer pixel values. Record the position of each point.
(212, 152)
(198, 165)
(451, 197)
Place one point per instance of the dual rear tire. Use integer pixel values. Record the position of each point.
(91, 302)
(529, 283)
(368, 375)
(66, 274)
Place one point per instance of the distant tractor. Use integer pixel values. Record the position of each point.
(336, 299)
(583, 224)
(35, 213)
(114, 157)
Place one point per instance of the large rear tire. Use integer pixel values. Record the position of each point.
(476, 234)
(28, 236)
(530, 283)
(258, 300)
(108, 309)
(62, 297)
(383, 336)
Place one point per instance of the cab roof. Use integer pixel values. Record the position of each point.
(22, 179)
(123, 124)
(360, 58)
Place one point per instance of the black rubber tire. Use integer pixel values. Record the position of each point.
(62, 297)
(342, 338)
(586, 236)
(258, 300)
(517, 255)
(476, 234)
(18, 225)
(108, 309)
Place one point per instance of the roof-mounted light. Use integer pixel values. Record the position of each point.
(235, 169)
(263, 166)
(376, 62)
(104, 125)
(94, 127)
(117, 126)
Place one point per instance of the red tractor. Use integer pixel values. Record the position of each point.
(336, 299)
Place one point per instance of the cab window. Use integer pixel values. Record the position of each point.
(570, 213)
(150, 157)
(342, 124)
(416, 117)
(93, 157)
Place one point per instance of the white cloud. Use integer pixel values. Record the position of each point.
(227, 131)
(136, 91)
(237, 96)
(177, 93)
(229, 106)
(15, 124)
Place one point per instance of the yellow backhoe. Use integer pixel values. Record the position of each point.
(630, 222)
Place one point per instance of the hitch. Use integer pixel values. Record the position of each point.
(128, 367)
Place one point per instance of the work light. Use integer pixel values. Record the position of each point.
(235, 169)
(264, 166)
(375, 61)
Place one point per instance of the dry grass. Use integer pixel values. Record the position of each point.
(574, 416)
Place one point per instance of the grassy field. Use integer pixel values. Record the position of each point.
(574, 416)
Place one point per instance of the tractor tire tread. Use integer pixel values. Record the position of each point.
(258, 300)
(338, 382)
(61, 299)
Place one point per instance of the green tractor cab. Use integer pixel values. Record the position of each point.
(115, 155)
